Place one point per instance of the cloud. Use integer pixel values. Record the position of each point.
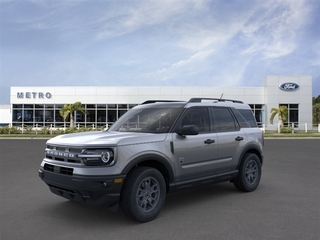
(175, 68)
(276, 27)
(316, 50)
(187, 42)
(138, 15)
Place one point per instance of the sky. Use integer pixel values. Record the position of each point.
(156, 42)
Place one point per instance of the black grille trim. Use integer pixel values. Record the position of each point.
(62, 189)
(49, 167)
(57, 169)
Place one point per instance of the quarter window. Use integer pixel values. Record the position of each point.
(248, 116)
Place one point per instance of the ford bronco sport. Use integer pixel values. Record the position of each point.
(156, 148)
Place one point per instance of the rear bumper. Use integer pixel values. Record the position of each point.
(96, 191)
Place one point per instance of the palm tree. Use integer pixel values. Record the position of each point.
(282, 112)
(69, 109)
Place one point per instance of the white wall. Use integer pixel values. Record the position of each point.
(273, 96)
(134, 95)
(5, 114)
(270, 95)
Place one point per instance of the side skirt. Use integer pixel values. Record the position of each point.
(217, 178)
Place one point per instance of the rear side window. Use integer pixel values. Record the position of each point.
(248, 116)
(223, 120)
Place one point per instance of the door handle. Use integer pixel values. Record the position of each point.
(239, 138)
(209, 141)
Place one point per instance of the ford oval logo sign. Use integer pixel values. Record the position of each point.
(289, 86)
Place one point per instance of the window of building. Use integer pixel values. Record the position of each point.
(58, 120)
(48, 115)
(293, 115)
(90, 116)
(132, 105)
(101, 106)
(101, 117)
(259, 113)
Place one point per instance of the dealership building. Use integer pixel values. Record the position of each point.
(39, 106)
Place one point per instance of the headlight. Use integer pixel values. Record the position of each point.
(94, 157)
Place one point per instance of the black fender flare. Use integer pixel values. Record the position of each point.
(249, 148)
(150, 157)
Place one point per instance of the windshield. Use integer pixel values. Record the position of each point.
(150, 120)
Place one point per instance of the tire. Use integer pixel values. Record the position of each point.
(249, 173)
(143, 194)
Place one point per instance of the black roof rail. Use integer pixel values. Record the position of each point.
(157, 101)
(193, 100)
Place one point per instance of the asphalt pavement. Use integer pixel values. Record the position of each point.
(286, 204)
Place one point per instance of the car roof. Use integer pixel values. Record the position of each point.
(194, 102)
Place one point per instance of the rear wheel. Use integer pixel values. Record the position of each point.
(143, 194)
(249, 173)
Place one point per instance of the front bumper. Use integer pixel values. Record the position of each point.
(96, 191)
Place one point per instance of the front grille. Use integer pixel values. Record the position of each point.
(49, 167)
(63, 154)
(57, 169)
(66, 171)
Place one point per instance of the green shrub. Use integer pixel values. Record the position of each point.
(15, 130)
(286, 129)
(45, 130)
(71, 130)
(4, 130)
(27, 129)
(84, 129)
(9, 130)
(59, 131)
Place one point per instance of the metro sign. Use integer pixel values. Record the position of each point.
(34, 95)
(289, 86)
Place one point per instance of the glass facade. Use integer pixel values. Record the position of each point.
(100, 115)
(41, 115)
(293, 115)
(259, 113)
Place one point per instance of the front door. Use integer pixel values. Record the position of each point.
(195, 155)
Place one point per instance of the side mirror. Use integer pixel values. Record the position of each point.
(188, 130)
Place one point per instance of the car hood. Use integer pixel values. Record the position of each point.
(104, 138)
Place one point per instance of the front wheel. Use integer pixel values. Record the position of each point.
(249, 173)
(143, 194)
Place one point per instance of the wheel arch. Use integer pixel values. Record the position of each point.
(251, 149)
(154, 161)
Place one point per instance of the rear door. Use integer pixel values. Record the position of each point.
(230, 139)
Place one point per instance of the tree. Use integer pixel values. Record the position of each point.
(68, 110)
(316, 113)
(282, 112)
(316, 110)
(316, 100)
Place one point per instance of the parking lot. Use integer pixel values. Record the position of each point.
(286, 204)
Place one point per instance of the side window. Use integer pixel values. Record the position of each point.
(223, 120)
(241, 120)
(248, 116)
(198, 117)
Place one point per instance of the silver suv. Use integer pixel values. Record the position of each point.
(156, 148)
